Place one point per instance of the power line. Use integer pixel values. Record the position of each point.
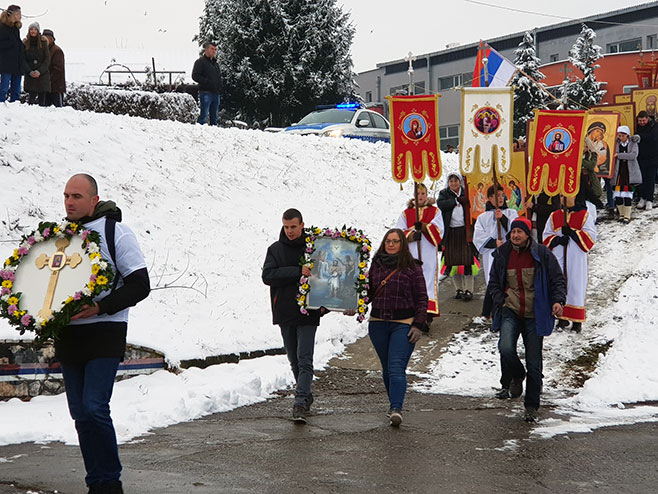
(555, 16)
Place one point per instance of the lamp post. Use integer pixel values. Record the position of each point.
(411, 59)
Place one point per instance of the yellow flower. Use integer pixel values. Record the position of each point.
(305, 286)
(352, 237)
(343, 234)
(361, 302)
(68, 300)
(362, 264)
(362, 309)
(369, 248)
(307, 239)
(94, 255)
(7, 262)
(7, 284)
(74, 227)
(362, 276)
(101, 280)
(310, 266)
(317, 231)
(302, 298)
(12, 301)
(95, 268)
(17, 314)
(57, 229)
(359, 240)
(91, 286)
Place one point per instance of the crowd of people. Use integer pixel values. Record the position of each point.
(35, 62)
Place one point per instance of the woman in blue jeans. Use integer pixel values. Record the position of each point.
(399, 308)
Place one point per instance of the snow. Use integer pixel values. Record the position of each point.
(206, 202)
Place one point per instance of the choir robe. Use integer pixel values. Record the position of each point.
(429, 248)
(486, 231)
(580, 243)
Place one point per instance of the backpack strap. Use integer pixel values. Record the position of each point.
(110, 228)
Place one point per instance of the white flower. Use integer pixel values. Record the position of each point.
(38, 321)
(93, 247)
(5, 297)
(103, 265)
(38, 237)
(86, 291)
(96, 260)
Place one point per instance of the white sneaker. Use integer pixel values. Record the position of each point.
(648, 205)
(641, 203)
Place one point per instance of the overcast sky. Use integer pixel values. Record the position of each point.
(129, 31)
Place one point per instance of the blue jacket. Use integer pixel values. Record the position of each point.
(550, 285)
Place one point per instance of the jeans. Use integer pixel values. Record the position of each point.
(88, 392)
(299, 342)
(10, 83)
(610, 202)
(209, 104)
(394, 351)
(511, 327)
(648, 180)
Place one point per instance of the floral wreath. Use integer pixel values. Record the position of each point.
(101, 276)
(351, 234)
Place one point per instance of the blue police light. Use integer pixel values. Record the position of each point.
(348, 106)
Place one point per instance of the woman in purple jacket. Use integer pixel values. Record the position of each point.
(399, 308)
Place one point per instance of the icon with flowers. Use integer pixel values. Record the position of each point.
(100, 280)
(363, 248)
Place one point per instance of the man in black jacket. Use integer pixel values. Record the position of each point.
(647, 129)
(12, 53)
(206, 73)
(281, 272)
(94, 343)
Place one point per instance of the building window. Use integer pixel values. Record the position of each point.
(450, 82)
(449, 135)
(651, 42)
(400, 90)
(419, 87)
(368, 96)
(555, 57)
(624, 46)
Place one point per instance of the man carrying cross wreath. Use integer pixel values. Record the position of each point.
(94, 342)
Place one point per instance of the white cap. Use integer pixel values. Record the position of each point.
(623, 129)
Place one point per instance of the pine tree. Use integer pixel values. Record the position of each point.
(528, 93)
(280, 58)
(586, 92)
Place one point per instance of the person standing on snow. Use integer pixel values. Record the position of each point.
(573, 239)
(528, 290)
(11, 54)
(93, 344)
(424, 232)
(57, 72)
(648, 158)
(207, 74)
(37, 65)
(281, 272)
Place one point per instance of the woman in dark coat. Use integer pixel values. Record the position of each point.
(11, 54)
(37, 63)
(459, 261)
(399, 309)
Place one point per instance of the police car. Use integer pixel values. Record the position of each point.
(345, 120)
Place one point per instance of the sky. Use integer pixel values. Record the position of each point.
(94, 32)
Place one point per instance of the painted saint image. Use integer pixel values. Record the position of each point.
(558, 141)
(595, 143)
(479, 201)
(486, 120)
(516, 198)
(333, 277)
(57, 260)
(416, 129)
(650, 105)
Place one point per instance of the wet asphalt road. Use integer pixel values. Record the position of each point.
(446, 444)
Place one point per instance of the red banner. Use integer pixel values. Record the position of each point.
(556, 146)
(415, 137)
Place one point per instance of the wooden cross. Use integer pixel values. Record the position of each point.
(55, 262)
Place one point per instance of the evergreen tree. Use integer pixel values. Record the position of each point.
(280, 58)
(586, 92)
(528, 93)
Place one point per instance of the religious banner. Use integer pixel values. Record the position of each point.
(646, 100)
(415, 137)
(513, 184)
(600, 137)
(623, 98)
(626, 112)
(556, 147)
(54, 272)
(486, 130)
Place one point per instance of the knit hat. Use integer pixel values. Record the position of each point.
(34, 24)
(623, 129)
(522, 223)
(13, 8)
(49, 32)
(596, 125)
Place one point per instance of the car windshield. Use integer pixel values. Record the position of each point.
(327, 116)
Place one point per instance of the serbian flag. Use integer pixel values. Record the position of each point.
(415, 137)
(499, 70)
(556, 145)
